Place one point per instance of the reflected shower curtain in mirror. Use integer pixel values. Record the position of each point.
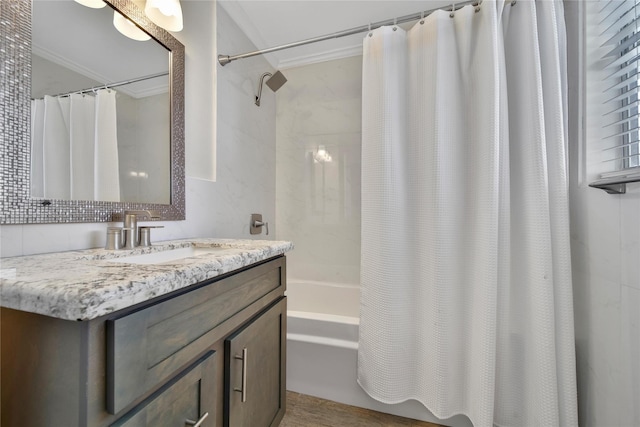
(466, 299)
(74, 147)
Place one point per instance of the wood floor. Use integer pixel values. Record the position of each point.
(308, 411)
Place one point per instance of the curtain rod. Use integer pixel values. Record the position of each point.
(110, 85)
(225, 59)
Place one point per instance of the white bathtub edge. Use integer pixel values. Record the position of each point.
(335, 318)
(323, 341)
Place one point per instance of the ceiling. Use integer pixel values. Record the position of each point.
(269, 23)
(101, 53)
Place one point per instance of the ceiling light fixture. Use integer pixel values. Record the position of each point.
(165, 13)
(128, 28)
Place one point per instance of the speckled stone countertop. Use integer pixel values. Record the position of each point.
(83, 285)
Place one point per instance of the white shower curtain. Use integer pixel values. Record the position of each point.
(83, 142)
(107, 171)
(74, 147)
(466, 284)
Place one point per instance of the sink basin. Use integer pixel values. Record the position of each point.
(167, 256)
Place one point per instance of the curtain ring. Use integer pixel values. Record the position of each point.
(453, 10)
(477, 6)
(422, 17)
(370, 33)
(395, 23)
(513, 3)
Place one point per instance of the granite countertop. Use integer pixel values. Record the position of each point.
(84, 285)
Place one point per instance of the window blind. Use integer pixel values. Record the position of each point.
(619, 29)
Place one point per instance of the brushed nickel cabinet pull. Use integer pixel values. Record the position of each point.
(197, 423)
(244, 375)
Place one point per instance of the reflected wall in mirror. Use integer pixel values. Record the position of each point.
(141, 164)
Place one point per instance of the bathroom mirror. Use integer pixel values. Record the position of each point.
(88, 143)
(164, 152)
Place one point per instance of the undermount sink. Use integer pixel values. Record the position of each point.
(168, 255)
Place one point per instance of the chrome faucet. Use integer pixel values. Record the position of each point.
(131, 233)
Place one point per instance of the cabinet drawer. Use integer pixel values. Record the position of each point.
(188, 397)
(146, 347)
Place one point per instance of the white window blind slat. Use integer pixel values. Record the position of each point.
(617, 159)
(620, 122)
(629, 42)
(620, 147)
(619, 111)
(625, 95)
(625, 132)
(628, 57)
(619, 18)
(608, 6)
(630, 78)
(621, 72)
(617, 37)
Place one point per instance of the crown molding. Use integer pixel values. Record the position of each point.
(329, 55)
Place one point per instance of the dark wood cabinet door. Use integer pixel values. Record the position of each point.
(255, 380)
(186, 399)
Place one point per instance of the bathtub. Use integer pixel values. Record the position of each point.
(322, 349)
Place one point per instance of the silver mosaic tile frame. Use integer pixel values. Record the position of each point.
(17, 207)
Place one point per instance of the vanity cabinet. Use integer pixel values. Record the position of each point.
(175, 360)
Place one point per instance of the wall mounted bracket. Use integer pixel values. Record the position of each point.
(612, 188)
(615, 185)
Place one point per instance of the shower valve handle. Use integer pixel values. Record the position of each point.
(258, 224)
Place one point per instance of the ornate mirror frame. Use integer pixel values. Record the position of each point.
(17, 206)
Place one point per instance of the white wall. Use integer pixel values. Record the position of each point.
(318, 204)
(245, 156)
(605, 231)
(246, 167)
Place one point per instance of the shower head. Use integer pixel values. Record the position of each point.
(274, 82)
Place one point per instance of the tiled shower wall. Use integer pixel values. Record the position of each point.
(317, 200)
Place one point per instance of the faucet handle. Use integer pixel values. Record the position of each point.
(145, 234)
